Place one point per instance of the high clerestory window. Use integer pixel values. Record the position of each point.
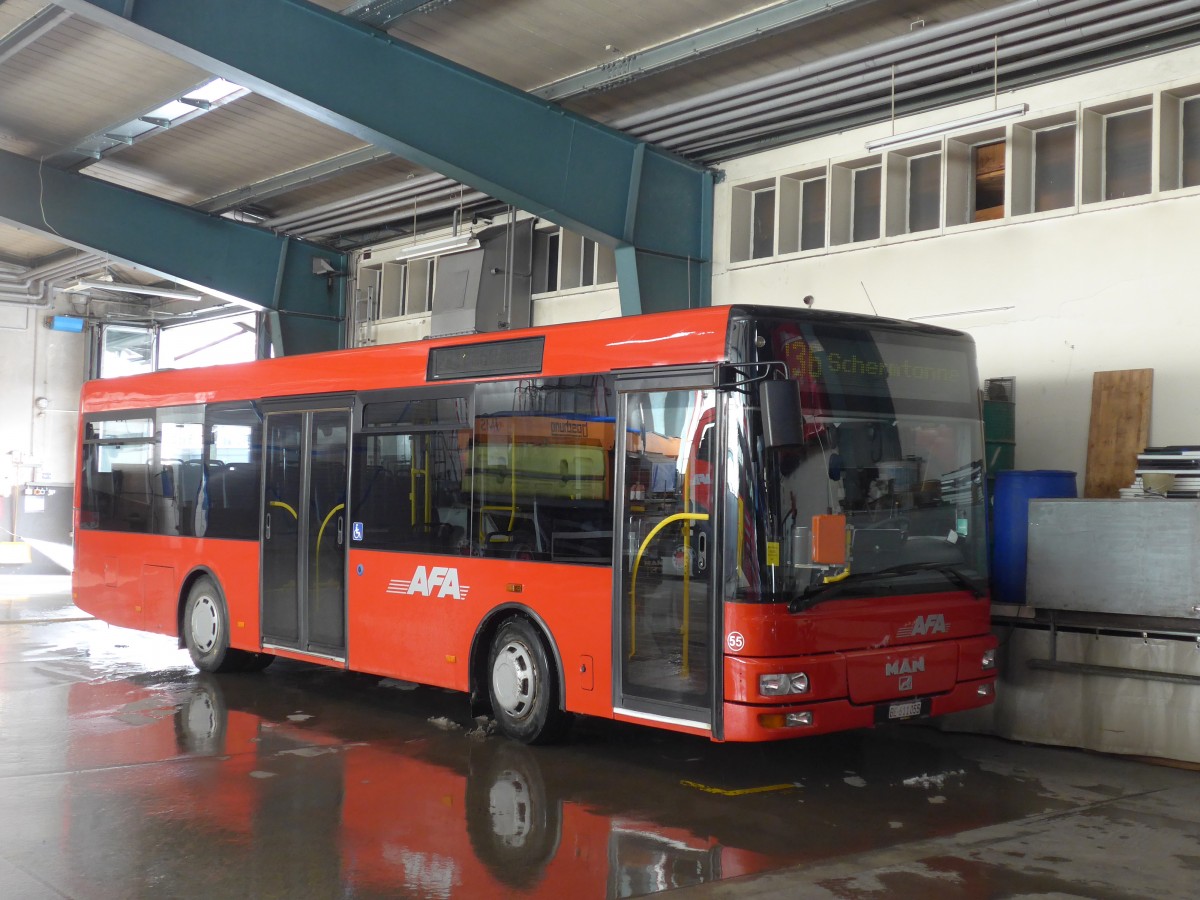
(866, 203)
(802, 203)
(1054, 167)
(1127, 141)
(563, 260)
(1190, 143)
(1056, 162)
(762, 223)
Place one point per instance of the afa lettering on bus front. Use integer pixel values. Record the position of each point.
(435, 582)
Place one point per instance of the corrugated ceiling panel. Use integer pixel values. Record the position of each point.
(393, 171)
(817, 40)
(15, 13)
(24, 247)
(239, 144)
(528, 43)
(79, 79)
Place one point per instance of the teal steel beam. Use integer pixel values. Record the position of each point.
(511, 145)
(238, 262)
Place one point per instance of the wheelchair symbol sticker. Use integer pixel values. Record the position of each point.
(356, 531)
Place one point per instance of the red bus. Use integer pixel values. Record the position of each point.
(745, 523)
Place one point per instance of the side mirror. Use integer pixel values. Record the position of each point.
(782, 414)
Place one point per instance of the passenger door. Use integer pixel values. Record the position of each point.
(304, 530)
(665, 605)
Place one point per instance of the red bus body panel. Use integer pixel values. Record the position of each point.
(138, 580)
(407, 635)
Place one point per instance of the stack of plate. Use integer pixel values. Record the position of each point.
(1170, 472)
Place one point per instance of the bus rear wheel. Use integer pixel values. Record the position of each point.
(523, 686)
(206, 633)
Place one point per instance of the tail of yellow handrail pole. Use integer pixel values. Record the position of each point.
(741, 533)
(687, 567)
(637, 561)
(512, 478)
(428, 482)
(320, 534)
(415, 472)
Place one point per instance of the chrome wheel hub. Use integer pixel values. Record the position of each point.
(205, 624)
(514, 679)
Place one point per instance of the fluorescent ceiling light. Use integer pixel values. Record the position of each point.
(124, 288)
(464, 241)
(966, 122)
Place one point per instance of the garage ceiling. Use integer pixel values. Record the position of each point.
(77, 96)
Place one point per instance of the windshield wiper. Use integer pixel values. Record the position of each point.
(811, 595)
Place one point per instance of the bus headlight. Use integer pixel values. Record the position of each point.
(778, 684)
(989, 659)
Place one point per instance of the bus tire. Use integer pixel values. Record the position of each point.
(206, 630)
(523, 685)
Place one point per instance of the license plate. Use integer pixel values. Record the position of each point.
(906, 709)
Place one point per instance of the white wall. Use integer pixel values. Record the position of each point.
(1115, 285)
(36, 362)
(1114, 289)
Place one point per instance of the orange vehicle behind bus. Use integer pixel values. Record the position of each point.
(745, 523)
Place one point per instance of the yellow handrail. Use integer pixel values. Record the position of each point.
(684, 630)
(320, 533)
(280, 503)
(637, 562)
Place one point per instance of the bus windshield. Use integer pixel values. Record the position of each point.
(884, 493)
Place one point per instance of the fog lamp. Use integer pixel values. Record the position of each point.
(989, 659)
(984, 690)
(789, 720)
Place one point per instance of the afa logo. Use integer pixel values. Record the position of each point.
(437, 581)
(935, 623)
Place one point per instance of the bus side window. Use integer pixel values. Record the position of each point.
(541, 466)
(407, 492)
(227, 498)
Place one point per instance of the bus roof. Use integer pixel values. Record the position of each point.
(659, 339)
(685, 336)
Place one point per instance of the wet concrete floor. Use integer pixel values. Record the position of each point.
(126, 774)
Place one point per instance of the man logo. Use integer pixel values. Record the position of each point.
(905, 666)
(443, 580)
(922, 625)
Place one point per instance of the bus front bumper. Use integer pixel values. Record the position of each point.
(747, 722)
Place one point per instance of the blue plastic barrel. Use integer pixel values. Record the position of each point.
(1010, 524)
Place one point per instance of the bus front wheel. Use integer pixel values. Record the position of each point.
(206, 632)
(523, 686)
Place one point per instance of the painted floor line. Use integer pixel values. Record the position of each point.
(765, 789)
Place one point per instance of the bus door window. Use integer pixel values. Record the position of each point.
(281, 522)
(326, 527)
(667, 551)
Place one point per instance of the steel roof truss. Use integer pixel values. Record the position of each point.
(508, 144)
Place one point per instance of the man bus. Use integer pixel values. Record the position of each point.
(746, 523)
